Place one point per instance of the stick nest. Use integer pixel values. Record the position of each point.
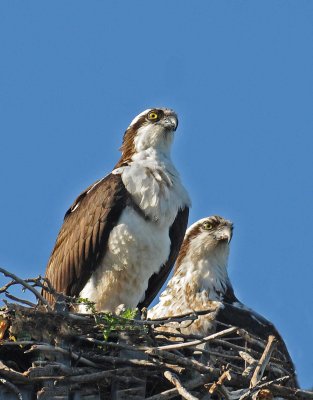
(59, 354)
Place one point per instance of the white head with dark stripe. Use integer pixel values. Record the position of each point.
(152, 129)
(207, 239)
(200, 274)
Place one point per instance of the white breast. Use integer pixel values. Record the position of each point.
(137, 248)
(155, 186)
(194, 287)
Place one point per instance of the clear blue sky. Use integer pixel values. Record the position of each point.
(239, 74)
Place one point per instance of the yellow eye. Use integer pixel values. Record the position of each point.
(152, 116)
(207, 226)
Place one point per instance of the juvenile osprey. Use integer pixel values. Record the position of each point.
(200, 282)
(200, 279)
(120, 238)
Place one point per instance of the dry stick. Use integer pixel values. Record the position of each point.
(28, 303)
(257, 388)
(12, 388)
(293, 394)
(111, 344)
(264, 360)
(240, 348)
(51, 290)
(27, 286)
(121, 360)
(219, 354)
(9, 373)
(54, 368)
(234, 346)
(5, 287)
(75, 356)
(180, 388)
(136, 362)
(183, 361)
(17, 343)
(200, 341)
(96, 376)
(177, 334)
(27, 311)
(194, 312)
(34, 281)
(191, 384)
(225, 375)
(190, 317)
(249, 338)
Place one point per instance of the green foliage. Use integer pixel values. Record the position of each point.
(90, 305)
(118, 322)
(111, 322)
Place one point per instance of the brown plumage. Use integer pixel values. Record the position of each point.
(200, 282)
(83, 236)
(112, 246)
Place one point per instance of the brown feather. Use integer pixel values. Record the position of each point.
(82, 240)
(186, 244)
(128, 146)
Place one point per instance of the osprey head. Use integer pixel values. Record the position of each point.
(206, 238)
(151, 129)
(217, 229)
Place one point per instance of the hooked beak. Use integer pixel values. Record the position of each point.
(170, 122)
(225, 234)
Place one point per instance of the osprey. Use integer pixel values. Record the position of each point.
(120, 238)
(200, 279)
(201, 282)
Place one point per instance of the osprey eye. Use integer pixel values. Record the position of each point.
(207, 226)
(153, 116)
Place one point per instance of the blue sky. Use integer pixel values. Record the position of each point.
(239, 74)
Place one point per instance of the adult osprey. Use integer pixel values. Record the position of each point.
(120, 238)
(201, 282)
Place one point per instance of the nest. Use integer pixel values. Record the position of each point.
(50, 353)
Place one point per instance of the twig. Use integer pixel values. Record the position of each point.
(104, 343)
(50, 348)
(234, 346)
(200, 341)
(9, 373)
(180, 388)
(158, 322)
(183, 361)
(289, 393)
(17, 343)
(98, 376)
(27, 286)
(257, 388)
(191, 384)
(28, 303)
(120, 360)
(225, 375)
(12, 388)
(264, 360)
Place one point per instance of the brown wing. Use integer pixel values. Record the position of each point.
(83, 237)
(177, 233)
(236, 314)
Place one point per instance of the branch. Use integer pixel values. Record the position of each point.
(12, 388)
(191, 384)
(27, 286)
(264, 360)
(46, 347)
(200, 341)
(180, 388)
